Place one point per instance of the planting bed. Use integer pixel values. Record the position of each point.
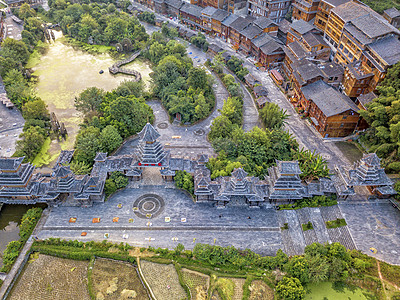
(198, 283)
(48, 277)
(163, 281)
(238, 292)
(259, 290)
(116, 280)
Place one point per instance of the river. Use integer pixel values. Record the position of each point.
(63, 72)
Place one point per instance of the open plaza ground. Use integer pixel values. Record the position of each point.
(162, 216)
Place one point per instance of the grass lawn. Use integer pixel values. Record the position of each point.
(328, 291)
(350, 150)
(336, 223)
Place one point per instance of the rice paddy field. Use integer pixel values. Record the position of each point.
(198, 283)
(163, 280)
(117, 280)
(259, 290)
(47, 278)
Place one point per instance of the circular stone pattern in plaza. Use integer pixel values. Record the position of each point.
(199, 132)
(148, 206)
(162, 125)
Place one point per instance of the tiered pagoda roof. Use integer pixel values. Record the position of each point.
(368, 172)
(150, 151)
(285, 182)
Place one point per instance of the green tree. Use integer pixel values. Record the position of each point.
(80, 167)
(128, 115)
(197, 78)
(31, 142)
(87, 144)
(272, 116)
(25, 11)
(184, 180)
(130, 88)
(35, 109)
(90, 100)
(311, 164)
(221, 128)
(110, 139)
(298, 267)
(290, 289)
(109, 187)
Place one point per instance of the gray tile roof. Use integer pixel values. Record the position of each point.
(239, 24)
(10, 164)
(174, 3)
(305, 70)
(220, 15)
(329, 101)
(331, 69)
(301, 26)
(209, 10)
(297, 50)
(367, 98)
(388, 49)
(314, 39)
(149, 133)
(261, 40)
(357, 34)
(373, 26)
(335, 3)
(191, 9)
(264, 22)
(284, 25)
(228, 21)
(392, 12)
(251, 31)
(272, 47)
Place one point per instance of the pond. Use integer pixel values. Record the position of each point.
(10, 218)
(330, 291)
(63, 72)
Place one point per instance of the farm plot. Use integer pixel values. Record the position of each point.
(163, 281)
(48, 277)
(259, 290)
(198, 284)
(238, 291)
(117, 280)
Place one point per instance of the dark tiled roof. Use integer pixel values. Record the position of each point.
(284, 26)
(301, 26)
(335, 3)
(149, 133)
(288, 167)
(239, 24)
(264, 22)
(209, 10)
(251, 31)
(367, 98)
(314, 39)
(191, 9)
(330, 101)
(261, 40)
(331, 69)
(175, 3)
(388, 49)
(305, 70)
(62, 171)
(215, 48)
(357, 34)
(392, 12)
(101, 156)
(353, 10)
(260, 90)
(297, 50)
(372, 26)
(239, 173)
(228, 21)
(220, 15)
(271, 47)
(10, 164)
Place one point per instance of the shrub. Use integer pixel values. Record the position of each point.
(336, 223)
(183, 180)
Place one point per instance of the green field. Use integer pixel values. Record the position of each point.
(328, 291)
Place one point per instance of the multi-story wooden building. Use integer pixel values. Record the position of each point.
(206, 14)
(323, 12)
(173, 7)
(393, 16)
(226, 26)
(246, 35)
(271, 53)
(191, 15)
(305, 9)
(273, 9)
(216, 21)
(235, 28)
(266, 25)
(205, 3)
(298, 29)
(364, 75)
(332, 113)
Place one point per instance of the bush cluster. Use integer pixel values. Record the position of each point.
(116, 182)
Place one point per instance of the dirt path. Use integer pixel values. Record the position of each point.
(381, 279)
